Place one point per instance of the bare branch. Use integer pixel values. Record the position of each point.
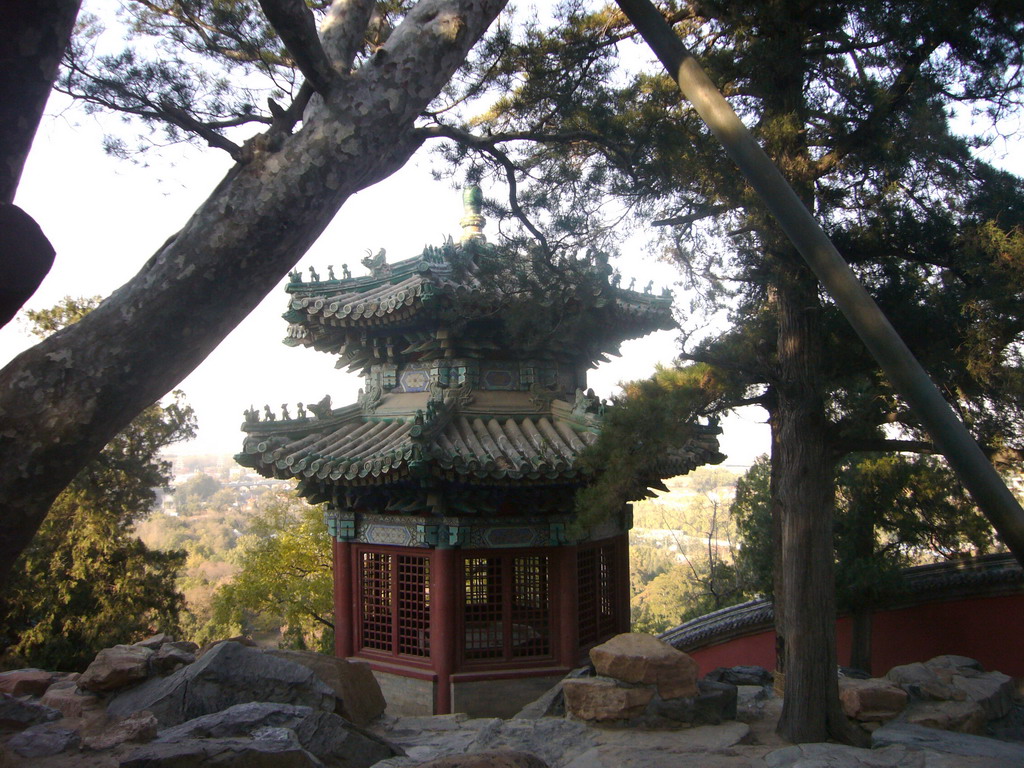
(294, 23)
(703, 213)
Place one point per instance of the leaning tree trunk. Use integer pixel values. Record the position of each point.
(64, 399)
(804, 494)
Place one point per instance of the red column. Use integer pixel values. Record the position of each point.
(620, 582)
(344, 609)
(566, 595)
(442, 626)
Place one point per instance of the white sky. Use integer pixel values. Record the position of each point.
(106, 217)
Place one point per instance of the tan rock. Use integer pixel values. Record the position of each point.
(139, 727)
(497, 759)
(26, 682)
(634, 657)
(960, 716)
(360, 700)
(69, 701)
(601, 699)
(115, 668)
(874, 700)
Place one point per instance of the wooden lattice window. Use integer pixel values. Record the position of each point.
(506, 613)
(598, 578)
(395, 603)
(413, 591)
(531, 635)
(375, 589)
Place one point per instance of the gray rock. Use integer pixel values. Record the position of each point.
(741, 675)
(952, 661)
(238, 720)
(552, 740)
(228, 674)
(221, 753)
(43, 741)
(154, 641)
(966, 744)
(714, 704)
(17, 714)
(994, 691)
(170, 657)
(331, 738)
(841, 756)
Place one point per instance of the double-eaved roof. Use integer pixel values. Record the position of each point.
(455, 392)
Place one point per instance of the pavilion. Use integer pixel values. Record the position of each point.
(459, 573)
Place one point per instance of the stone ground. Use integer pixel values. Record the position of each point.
(749, 742)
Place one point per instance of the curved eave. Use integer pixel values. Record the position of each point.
(360, 450)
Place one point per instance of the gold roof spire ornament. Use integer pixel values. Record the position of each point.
(472, 221)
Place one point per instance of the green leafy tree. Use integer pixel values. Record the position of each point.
(284, 578)
(196, 492)
(698, 539)
(87, 582)
(853, 102)
(891, 512)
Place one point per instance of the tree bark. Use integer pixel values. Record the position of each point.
(804, 495)
(34, 39)
(62, 400)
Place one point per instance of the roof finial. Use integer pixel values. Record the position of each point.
(472, 221)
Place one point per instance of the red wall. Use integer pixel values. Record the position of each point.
(987, 629)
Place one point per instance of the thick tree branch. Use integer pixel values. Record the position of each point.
(295, 24)
(34, 39)
(64, 399)
(343, 31)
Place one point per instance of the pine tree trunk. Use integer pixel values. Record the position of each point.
(804, 492)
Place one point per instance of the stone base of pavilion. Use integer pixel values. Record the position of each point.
(476, 694)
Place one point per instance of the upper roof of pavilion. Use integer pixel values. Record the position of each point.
(410, 301)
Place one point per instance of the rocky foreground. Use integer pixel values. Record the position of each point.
(164, 704)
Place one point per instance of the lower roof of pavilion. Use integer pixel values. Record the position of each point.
(478, 439)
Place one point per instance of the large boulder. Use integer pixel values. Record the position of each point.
(25, 682)
(638, 658)
(115, 668)
(600, 699)
(873, 700)
(334, 740)
(229, 674)
(359, 696)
